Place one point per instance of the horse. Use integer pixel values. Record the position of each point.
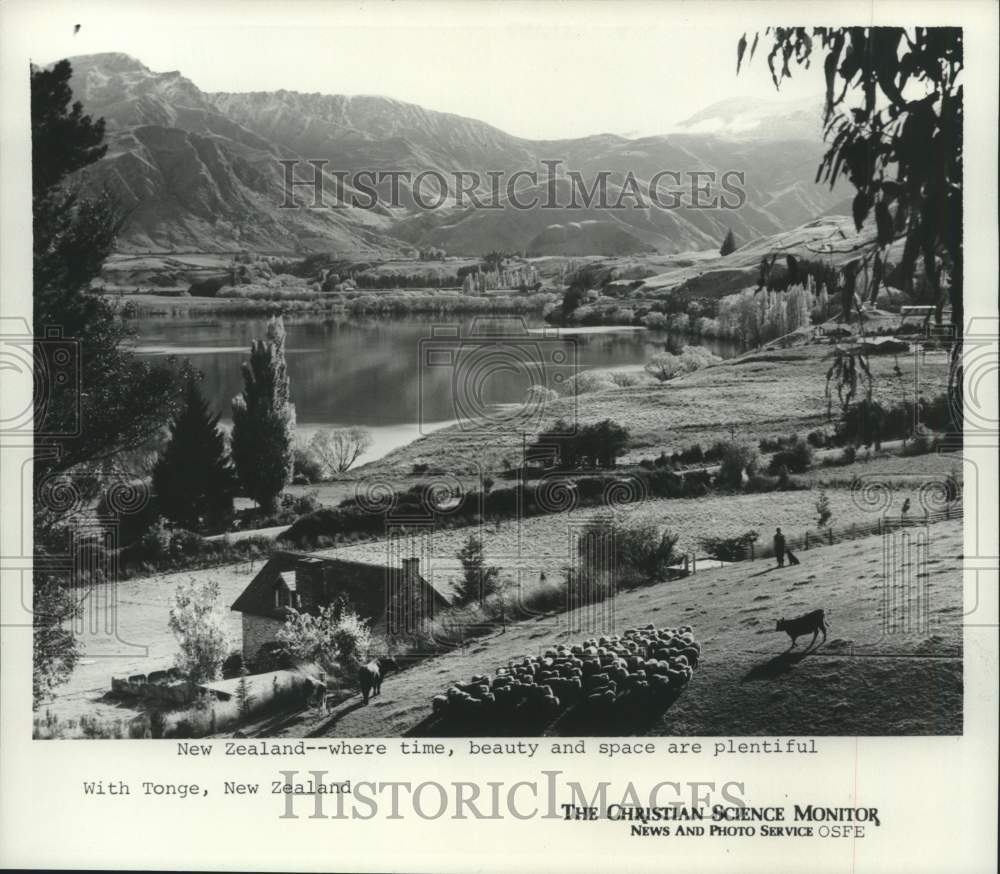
(370, 676)
(314, 693)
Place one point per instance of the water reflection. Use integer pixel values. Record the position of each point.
(381, 373)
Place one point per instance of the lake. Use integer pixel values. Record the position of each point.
(406, 376)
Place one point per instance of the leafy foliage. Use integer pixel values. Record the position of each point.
(113, 403)
(193, 480)
(893, 120)
(124, 402)
(244, 699)
(306, 467)
(729, 548)
(665, 366)
(479, 580)
(55, 648)
(738, 461)
(795, 458)
(200, 628)
(264, 420)
(728, 244)
(335, 634)
(823, 512)
(641, 553)
(566, 447)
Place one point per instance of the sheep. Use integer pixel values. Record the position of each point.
(594, 680)
(612, 670)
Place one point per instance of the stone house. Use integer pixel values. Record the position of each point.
(393, 599)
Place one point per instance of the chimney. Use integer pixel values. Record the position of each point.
(411, 569)
(309, 582)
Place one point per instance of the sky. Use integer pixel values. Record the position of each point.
(541, 70)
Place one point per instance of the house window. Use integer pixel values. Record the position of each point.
(284, 598)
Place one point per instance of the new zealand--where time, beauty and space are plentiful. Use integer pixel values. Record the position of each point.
(356, 417)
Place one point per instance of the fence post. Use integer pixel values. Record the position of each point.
(947, 511)
(831, 535)
(853, 532)
(807, 539)
(751, 551)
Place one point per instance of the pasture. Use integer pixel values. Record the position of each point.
(867, 679)
(760, 394)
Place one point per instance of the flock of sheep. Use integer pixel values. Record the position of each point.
(644, 668)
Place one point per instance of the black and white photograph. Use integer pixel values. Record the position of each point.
(509, 376)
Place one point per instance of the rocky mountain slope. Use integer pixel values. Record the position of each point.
(199, 172)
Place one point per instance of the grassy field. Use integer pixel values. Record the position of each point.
(760, 394)
(525, 548)
(140, 640)
(864, 680)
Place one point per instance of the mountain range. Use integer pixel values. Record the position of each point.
(200, 171)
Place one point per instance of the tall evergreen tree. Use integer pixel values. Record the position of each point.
(728, 244)
(93, 398)
(194, 481)
(264, 420)
(118, 402)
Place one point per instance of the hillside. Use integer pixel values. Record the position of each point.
(193, 179)
(761, 394)
(862, 681)
(199, 172)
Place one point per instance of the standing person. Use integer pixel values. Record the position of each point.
(779, 547)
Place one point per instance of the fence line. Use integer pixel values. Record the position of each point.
(811, 539)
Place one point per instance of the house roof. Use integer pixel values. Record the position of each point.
(362, 582)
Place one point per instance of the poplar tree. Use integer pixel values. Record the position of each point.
(264, 421)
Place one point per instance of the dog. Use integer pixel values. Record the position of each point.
(370, 676)
(795, 628)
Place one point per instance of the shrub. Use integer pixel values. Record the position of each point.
(796, 459)
(186, 543)
(130, 526)
(155, 542)
(335, 634)
(823, 511)
(665, 366)
(305, 466)
(817, 439)
(919, 445)
(353, 640)
(738, 459)
(200, 628)
(271, 657)
(642, 553)
(570, 448)
(729, 548)
(299, 505)
(157, 724)
(232, 666)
